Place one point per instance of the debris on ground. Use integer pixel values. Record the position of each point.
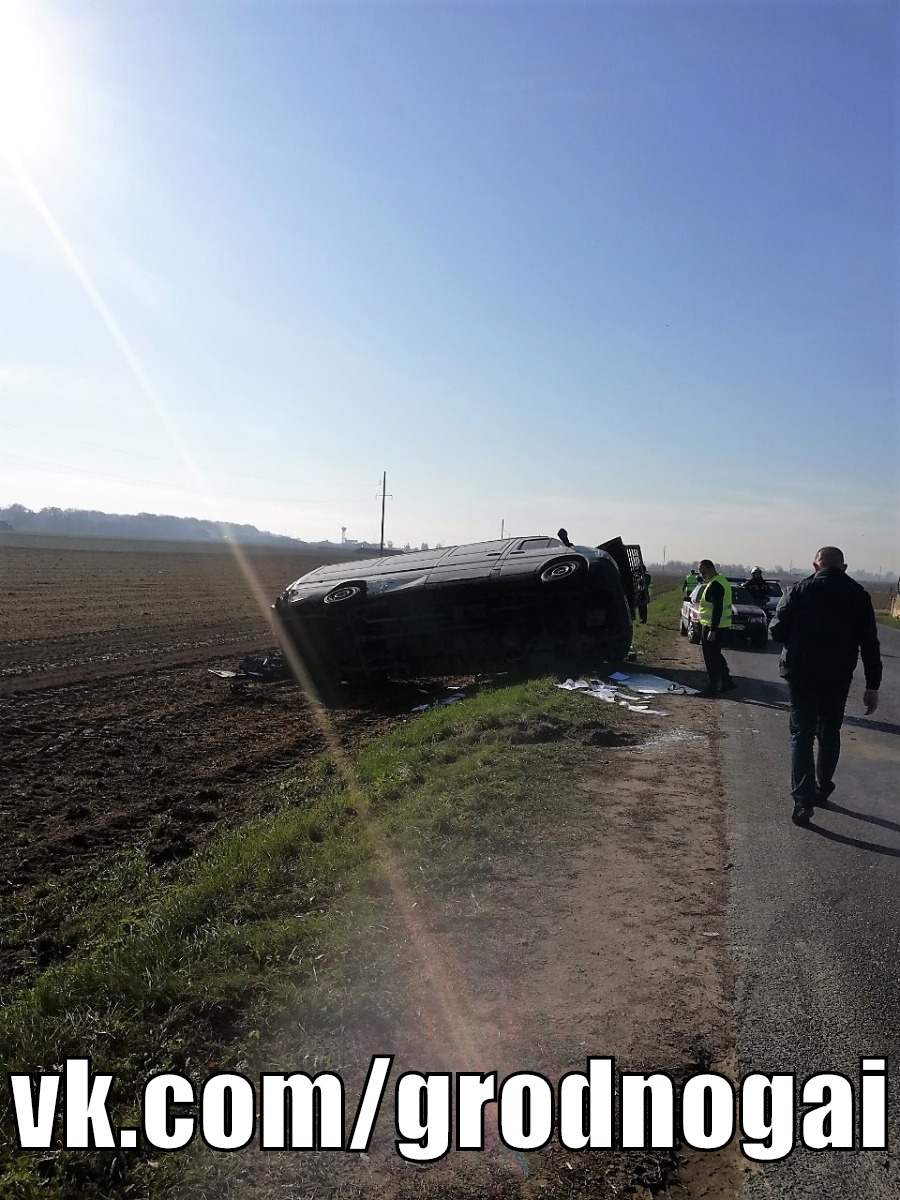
(653, 684)
(456, 694)
(629, 691)
(268, 667)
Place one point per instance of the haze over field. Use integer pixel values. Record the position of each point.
(625, 268)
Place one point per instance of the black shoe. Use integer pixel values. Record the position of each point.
(728, 685)
(801, 814)
(708, 692)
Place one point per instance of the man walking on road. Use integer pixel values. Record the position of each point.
(824, 621)
(715, 615)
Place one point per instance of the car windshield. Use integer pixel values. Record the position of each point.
(775, 588)
(740, 595)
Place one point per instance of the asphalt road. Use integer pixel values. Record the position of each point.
(816, 913)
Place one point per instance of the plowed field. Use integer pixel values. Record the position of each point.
(112, 731)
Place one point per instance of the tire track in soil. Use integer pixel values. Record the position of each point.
(158, 761)
(125, 652)
(113, 735)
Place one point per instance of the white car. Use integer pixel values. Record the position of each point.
(748, 621)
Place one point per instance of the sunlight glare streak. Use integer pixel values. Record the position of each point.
(437, 979)
(440, 975)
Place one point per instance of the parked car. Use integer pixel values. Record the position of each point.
(775, 593)
(532, 601)
(748, 621)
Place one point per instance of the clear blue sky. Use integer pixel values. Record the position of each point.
(631, 268)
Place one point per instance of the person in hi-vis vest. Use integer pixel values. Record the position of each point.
(715, 615)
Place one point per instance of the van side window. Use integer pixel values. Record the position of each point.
(542, 543)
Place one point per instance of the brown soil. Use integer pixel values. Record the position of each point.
(113, 733)
(608, 938)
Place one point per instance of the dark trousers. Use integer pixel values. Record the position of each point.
(817, 712)
(713, 658)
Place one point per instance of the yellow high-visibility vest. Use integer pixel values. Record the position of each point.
(706, 607)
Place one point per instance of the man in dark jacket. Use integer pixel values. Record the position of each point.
(757, 587)
(644, 597)
(824, 621)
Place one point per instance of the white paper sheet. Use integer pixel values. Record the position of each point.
(654, 685)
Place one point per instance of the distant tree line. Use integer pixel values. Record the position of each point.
(90, 523)
(676, 567)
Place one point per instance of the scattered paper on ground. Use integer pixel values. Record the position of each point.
(613, 693)
(654, 684)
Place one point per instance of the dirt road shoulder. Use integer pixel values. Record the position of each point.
(600, 930)
(553, 887)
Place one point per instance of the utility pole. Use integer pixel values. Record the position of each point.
(502, 527)
(664, 557)
(383, 498)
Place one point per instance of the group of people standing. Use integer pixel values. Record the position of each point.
(824, 624)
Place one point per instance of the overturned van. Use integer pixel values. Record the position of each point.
(533, 602)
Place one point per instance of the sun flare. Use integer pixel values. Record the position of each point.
(26, 88)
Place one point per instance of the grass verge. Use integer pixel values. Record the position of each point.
(662, 619)
(183, 970)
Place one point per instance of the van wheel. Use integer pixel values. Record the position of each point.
(563, 568)
(346, 592)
